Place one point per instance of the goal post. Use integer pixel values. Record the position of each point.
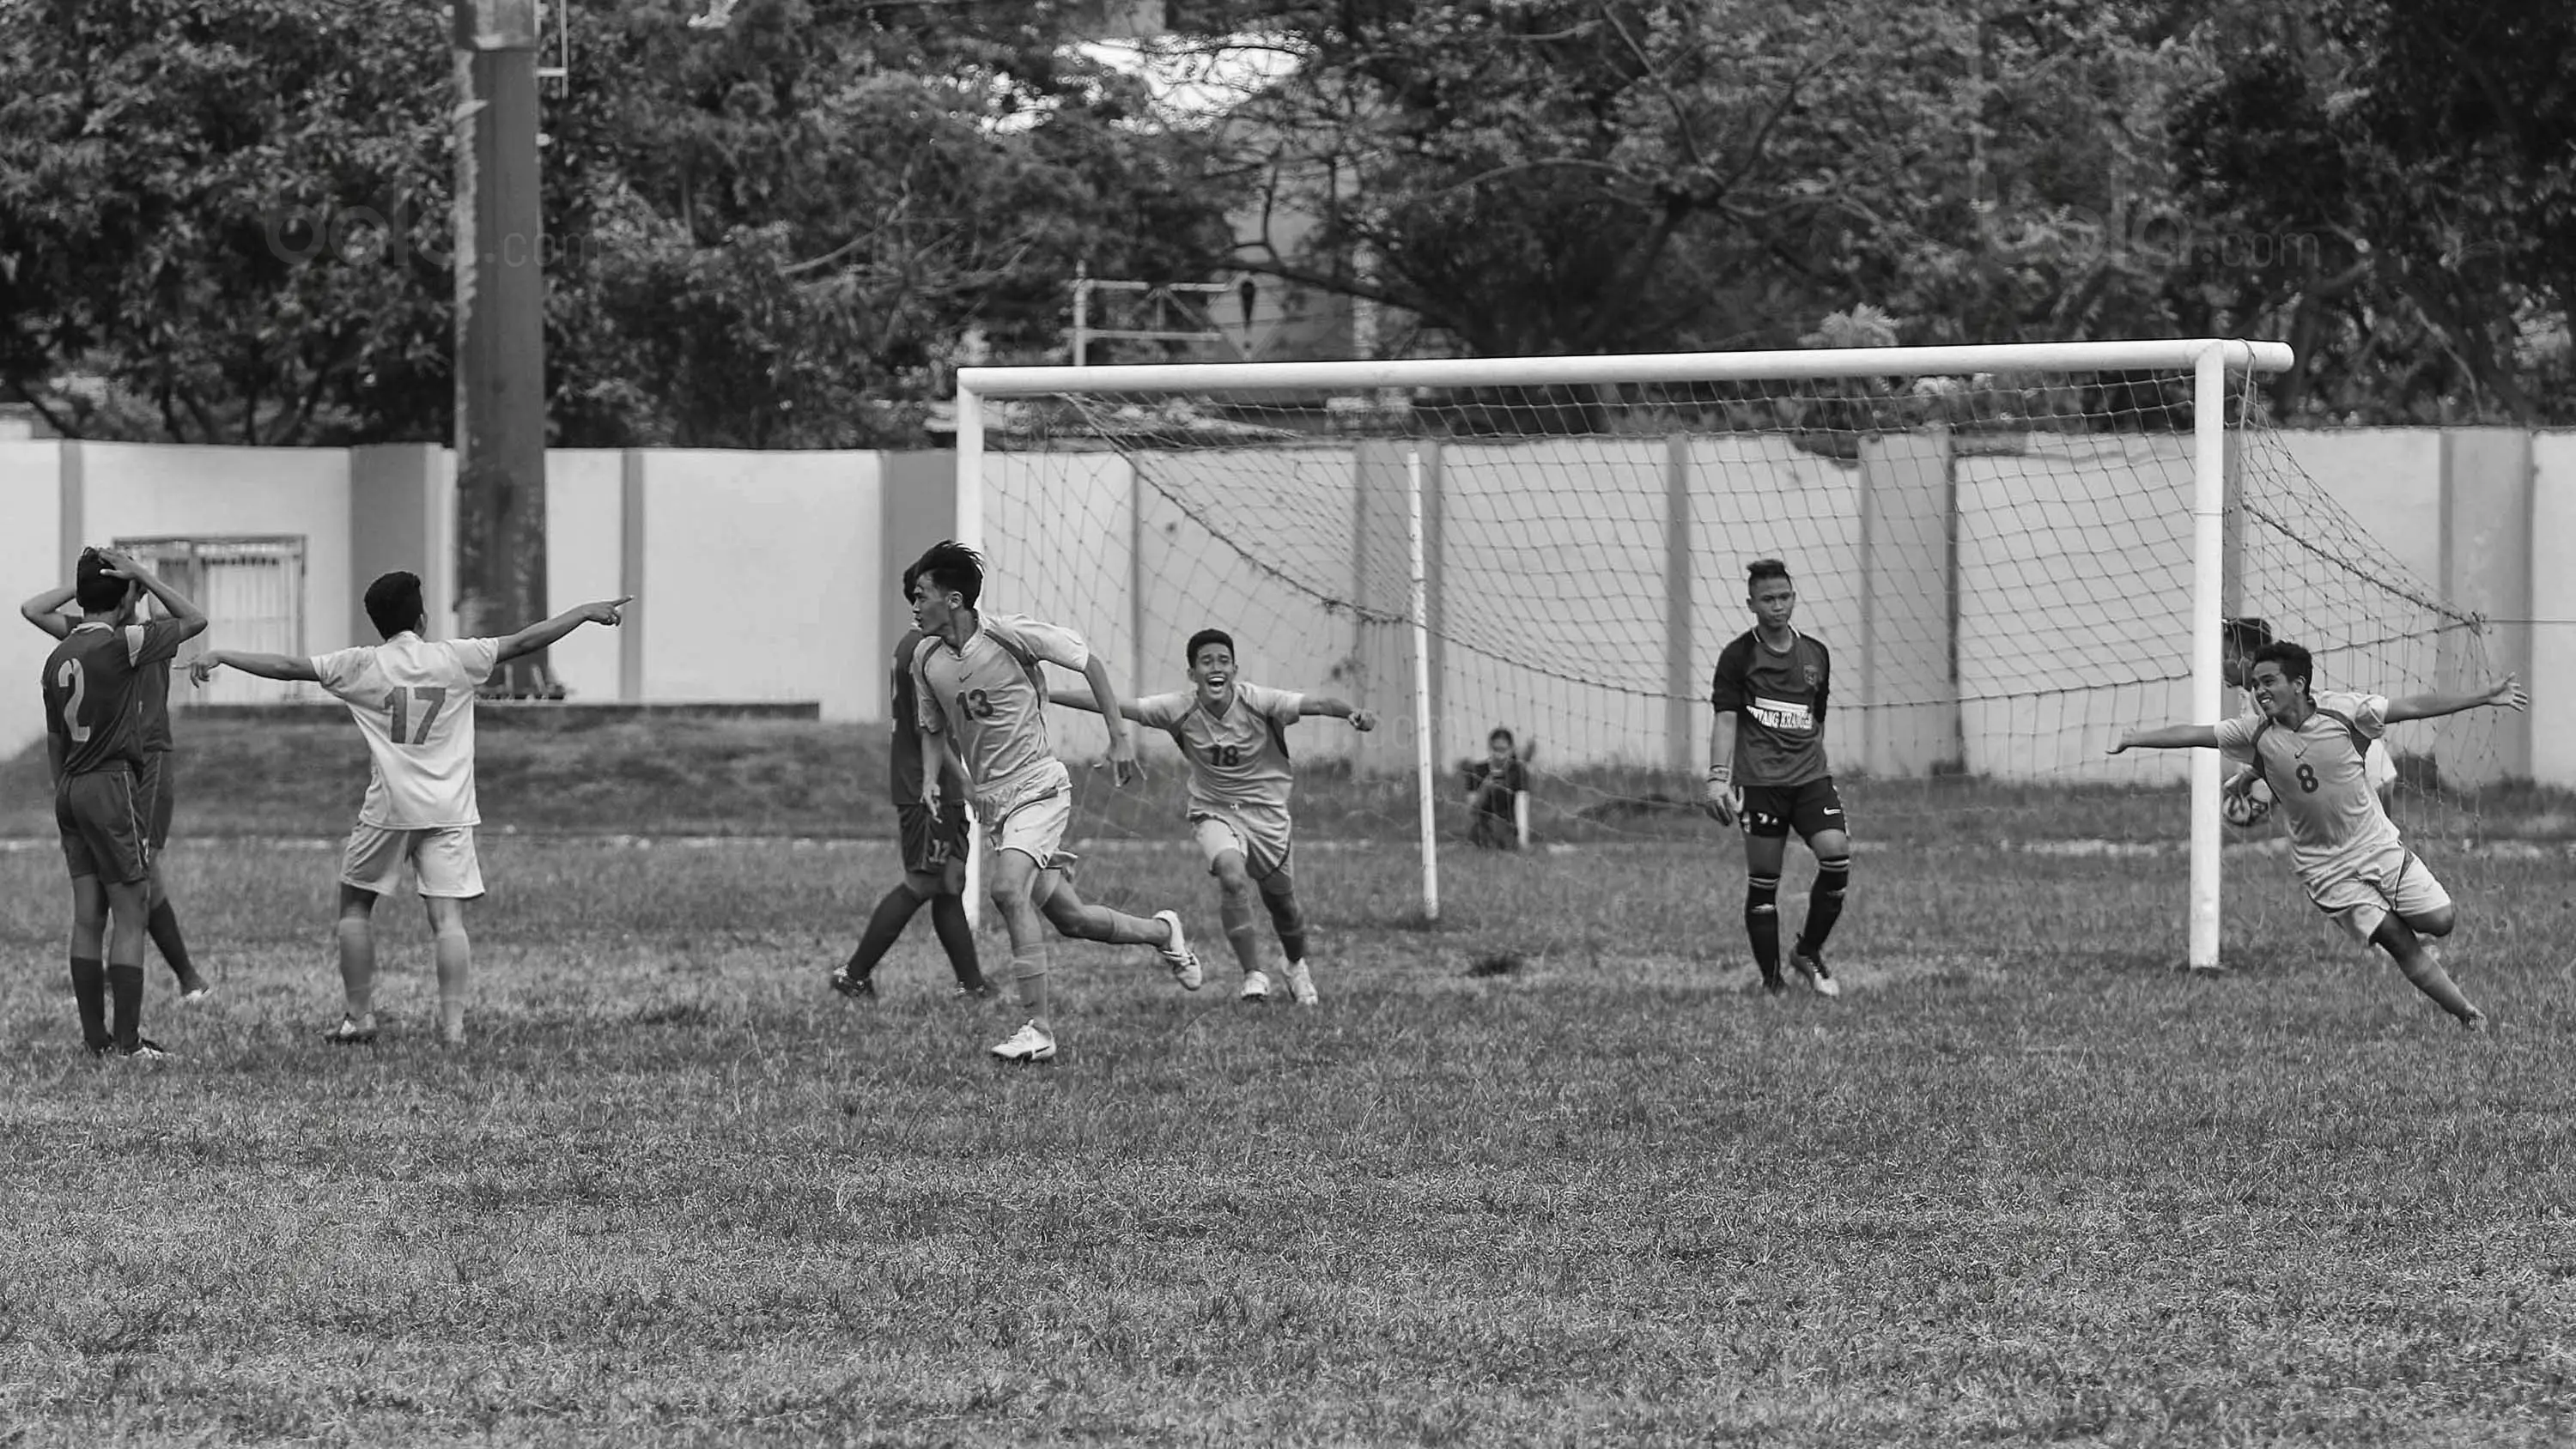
(1268, 490)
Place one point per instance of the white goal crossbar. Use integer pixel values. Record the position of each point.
(2209, 360)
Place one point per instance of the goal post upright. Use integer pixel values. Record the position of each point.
(2209, 361)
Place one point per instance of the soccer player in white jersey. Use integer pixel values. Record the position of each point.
(980, 687)
(1235, 737)
(2311, 749)
(413, 699)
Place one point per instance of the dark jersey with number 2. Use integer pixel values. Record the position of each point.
(1779, 699)
(94, 682)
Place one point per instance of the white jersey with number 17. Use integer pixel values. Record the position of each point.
(414, 702)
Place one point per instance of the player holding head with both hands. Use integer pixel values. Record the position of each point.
(2312, 750)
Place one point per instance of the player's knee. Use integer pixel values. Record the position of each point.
(2437, 922)
(1761, 894)
(1234, 885)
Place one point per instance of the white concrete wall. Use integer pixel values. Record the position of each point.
(2551, 670)
(585, 560)
(31, 561)
(763, 572)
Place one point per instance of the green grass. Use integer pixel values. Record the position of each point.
(2026, 1183)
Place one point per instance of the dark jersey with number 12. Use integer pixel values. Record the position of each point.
(93, 688)
(904, 776)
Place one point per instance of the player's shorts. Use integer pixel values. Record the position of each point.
(1259, 832)
(2359, 897)
(1809, 809)
(159, 796)
(100, 813)
(443, 860)
(931, 838)
(1034, 825)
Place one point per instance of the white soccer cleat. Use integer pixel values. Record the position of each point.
(1256, 986)
(1811, 964)
(1301, 985)
(1178, 955)
(1026, 1045)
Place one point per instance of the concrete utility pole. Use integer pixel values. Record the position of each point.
(500, 334)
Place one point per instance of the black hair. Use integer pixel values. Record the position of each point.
(1500, 733)
(952, 568)
(911, 575)
(2245, 634)
(2295, 662)
(394, 603)
(95, 589)
(1763, 568)
(1204, 638)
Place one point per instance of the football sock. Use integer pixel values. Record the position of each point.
(1288, 921)
(357, 935)
(89, 988)
(1234, 908)
(1824, 901)
(125, 984)
(957, 938)
(1762, 922)
(163, 926)
(454, 952)
(885, 924)
(2433, 981)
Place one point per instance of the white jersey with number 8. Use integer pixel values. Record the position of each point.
(414, 702)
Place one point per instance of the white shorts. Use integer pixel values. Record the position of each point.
(2393, 881)
(1035, 828)
(1261, 835)
(443, 860)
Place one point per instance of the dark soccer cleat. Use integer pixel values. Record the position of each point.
(1774, 984)
(194, 988)
(349, 1033)
(1811, 964)
(145, 1049)
(977, 991)
(857, 988)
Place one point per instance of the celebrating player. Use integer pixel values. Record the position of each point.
(152, 686)
(2311, 750)
(413, 700)
(932, 827)
(95, 682)
(1766, 769)
(980, 688)
(1235, 736)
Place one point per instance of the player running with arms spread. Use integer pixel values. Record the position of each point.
(94, 685)
(982, 691)
(1235, 737)
(413, 700)
(2312, 751)
(1766, 769)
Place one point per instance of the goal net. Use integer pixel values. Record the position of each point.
(2000, 546)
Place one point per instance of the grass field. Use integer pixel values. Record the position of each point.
(2025, 1183)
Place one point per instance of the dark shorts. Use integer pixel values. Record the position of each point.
(1808, 809)
(100, 814)
(931, 839)
(157, 798)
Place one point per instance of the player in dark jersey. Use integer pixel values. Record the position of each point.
(94, 741)
(1767, 771)
(933, 830)
(45, 611)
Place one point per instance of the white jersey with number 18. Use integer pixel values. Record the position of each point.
(414, 702)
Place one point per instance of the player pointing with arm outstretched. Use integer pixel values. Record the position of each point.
(2312, 750)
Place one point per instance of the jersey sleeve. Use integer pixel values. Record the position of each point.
(151, 643)
(1734, 663)
(1159, 711)
(925, 705)
(475, 658)
(339, 670)
(2236, 736)
(1280, 706)
(1053, 643)
(2370, 712)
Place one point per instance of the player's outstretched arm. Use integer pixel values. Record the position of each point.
(1122, 740)
(1330, 708)
(266, 666)
(538, 636)
(2168, 737)
(2505, 693)
(45, 611)
(1081, 699)
(190, 619)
